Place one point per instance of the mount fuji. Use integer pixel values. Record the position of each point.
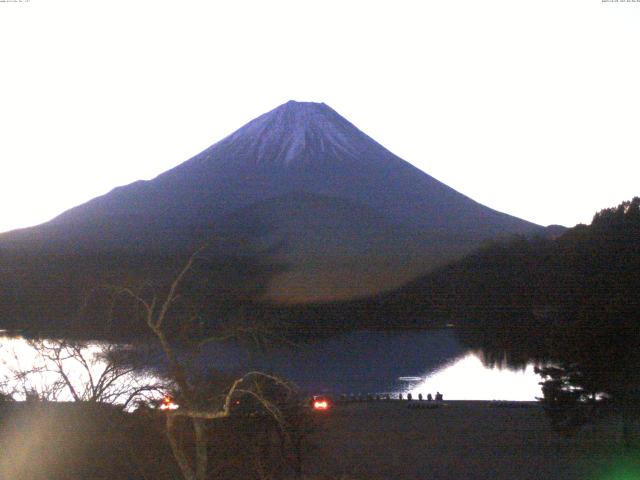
(299, 186)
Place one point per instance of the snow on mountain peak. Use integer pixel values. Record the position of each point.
(299, 132)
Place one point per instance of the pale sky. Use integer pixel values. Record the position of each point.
(531, 107)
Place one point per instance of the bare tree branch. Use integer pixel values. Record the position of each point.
(195, 406)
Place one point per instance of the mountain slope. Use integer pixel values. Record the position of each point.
(297, 147)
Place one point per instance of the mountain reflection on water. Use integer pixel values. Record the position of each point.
(381, 362)
(466, 378)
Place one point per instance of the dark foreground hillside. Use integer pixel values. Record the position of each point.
(461, 440)
(378, 440)
(73, 441)
(54, 441)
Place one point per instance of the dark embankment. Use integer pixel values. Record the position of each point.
(379, 440)
(80, 440)
(71, 441)
(462, 440)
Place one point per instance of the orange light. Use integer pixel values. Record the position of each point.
(167, 404)
(320, 405)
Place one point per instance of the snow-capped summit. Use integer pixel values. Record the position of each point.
(298, 132)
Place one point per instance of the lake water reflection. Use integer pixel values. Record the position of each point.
(356, 363)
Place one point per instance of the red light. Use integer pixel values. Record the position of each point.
(320, 405)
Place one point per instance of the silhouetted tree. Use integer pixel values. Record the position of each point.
(597, 349)
(177, 323)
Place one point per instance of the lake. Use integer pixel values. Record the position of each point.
(391, 362)
(353, 363)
